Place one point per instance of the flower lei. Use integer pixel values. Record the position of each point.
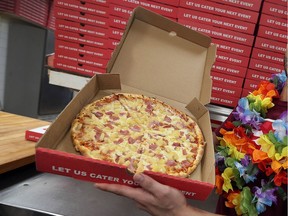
(251, 158)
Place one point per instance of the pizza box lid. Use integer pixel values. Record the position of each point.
(165, 58)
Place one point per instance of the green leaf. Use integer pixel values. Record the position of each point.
(252, 169)
(223, 150)
(246, 204)
(237, 179)
(229, 162)
(282, 193)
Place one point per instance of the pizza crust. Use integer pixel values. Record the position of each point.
(139, 132)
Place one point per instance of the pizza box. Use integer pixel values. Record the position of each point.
(35, 134)
(82, 48)
(169, 2)
(228, 90)
(245, 4)
(81, 28)
(271, 45)
(120, 11)
(155, 57)
(76, 67)
(266, 55)
(224, 100)
(81, 39)
(274, 10)
(80, 57)
(265, 66)
(219, 33)
(163, 9)
(218, 21)
(279, 2)
(83, 6)
(233, 59)
(272, 34)
(229, 69)
(117, 22)
(273, 22)
(112, 43)
(251, 84)
(226, 79)
(115, 33)
(221, 9)
(257, 75)
(234, 48)
(76, 16)
(104, 3)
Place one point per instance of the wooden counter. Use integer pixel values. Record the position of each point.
(15, 151)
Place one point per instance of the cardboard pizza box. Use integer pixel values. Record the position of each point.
(35, 134)
(155, 57)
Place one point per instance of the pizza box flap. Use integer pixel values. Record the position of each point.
(164, 57)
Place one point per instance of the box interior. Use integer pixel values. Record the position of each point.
(160, 56)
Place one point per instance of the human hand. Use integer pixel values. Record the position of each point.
(153, 197)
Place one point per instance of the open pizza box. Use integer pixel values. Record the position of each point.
(156, 57)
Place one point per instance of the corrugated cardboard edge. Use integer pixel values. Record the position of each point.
(207, 81)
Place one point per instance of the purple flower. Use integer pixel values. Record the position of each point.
(245, 161)
(279, 80)
(246, 169)
(284, 116)
(246, 116)
(264, 197)
(219, 158)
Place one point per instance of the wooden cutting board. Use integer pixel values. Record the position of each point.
(15, 151)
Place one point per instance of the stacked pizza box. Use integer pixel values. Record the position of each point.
(7, 6)
(270, 44)
(35, 11)
(51, 17)
(35, 134)
(81, 29)
(231, 24)
(120, 11)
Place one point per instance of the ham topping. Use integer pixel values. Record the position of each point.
(114, 118)
(119, 141)
(176, 144)
(185, 163)
(109, 125)
(98, 114)
(167, 119)
(184, 152)
(152, 146)
(124, 132)
(135, 128)
(131, 140)
(171, 163)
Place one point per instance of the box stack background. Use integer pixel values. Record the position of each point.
(270, 44)
(231, 24)
(81, 36)
(8, 6)
(51, 17)
(35, 11)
